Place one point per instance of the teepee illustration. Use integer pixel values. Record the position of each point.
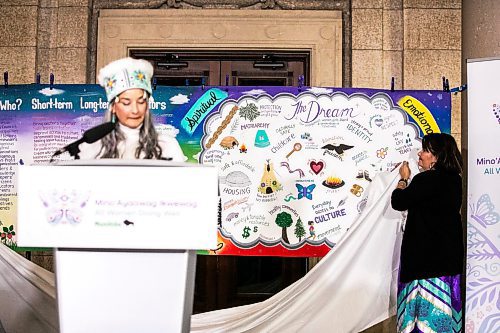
(268, 183)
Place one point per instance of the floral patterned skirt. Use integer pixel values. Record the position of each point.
(430, 305)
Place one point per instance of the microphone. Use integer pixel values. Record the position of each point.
(96, 133)
(89, 136)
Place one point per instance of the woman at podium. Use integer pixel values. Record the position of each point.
(127, 83)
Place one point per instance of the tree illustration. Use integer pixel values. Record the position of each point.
(284, 220)
(249, 112)
(299, 229)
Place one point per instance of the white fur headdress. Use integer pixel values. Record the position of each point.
(124, 74)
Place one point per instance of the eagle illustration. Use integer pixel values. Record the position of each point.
(338, 149)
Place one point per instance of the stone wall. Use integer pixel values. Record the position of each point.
(415, 41)
(45, 36)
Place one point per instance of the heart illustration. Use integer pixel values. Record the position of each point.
(379, 122)
(316, 167)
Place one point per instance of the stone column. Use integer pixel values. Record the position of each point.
(432, 43)
(392, 43)
(62, 40)
(377, 43)
(18, 40)
(367, 54)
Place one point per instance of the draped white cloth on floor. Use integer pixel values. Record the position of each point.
(352, 288)
(27, 295)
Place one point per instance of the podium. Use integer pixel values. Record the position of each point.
(125, 235)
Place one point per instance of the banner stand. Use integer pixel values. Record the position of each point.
(483, 197)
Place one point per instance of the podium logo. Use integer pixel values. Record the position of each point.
(63, 207)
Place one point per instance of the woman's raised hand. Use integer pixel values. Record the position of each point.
(404, 170)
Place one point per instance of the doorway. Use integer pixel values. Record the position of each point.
(228, 281)
(233, 68)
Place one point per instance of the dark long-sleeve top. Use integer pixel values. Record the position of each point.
(432, 241)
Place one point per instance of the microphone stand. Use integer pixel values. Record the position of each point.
(89, 136)
(74, 149)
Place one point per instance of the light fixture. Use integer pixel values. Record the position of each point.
(172, 62)
(268, 62)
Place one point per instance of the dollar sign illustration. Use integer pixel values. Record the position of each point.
(246, 232)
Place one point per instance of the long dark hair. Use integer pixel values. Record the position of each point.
(148, 139)
(445, 148)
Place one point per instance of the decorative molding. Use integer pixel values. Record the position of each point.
(257, 4)
(219, 31)
(225, 4)
(265, 5)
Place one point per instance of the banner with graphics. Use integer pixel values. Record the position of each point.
(294, 163)
(483, 228)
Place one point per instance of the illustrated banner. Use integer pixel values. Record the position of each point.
(294, 163)
(483, 228)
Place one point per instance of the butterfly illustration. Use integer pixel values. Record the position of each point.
(305, 191)
(483, 212)
(479, 244)
(55, 216)
(63, 206)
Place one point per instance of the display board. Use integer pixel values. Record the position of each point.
(294, 162)
(482, 308)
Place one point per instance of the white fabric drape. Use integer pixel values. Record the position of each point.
(27, 295)
(352, 288)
